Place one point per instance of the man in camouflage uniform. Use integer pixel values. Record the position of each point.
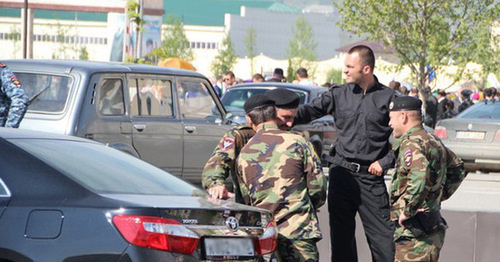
(279, 171)
(13, 100)
(426, 173)
(221, 164)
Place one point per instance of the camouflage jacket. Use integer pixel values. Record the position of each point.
(427, 173)
(13, 100)
(222, 163)
(279, 171)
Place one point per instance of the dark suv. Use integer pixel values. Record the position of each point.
(169, 118)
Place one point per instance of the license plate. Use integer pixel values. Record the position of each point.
(216, 247)
(470, 135)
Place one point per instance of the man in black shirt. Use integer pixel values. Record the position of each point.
(363, 153)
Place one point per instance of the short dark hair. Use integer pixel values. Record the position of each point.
(258, 76)
(230, 73)
(491, 92)
(302, 72)
(262, 114)
(441, 92)
(365, 53)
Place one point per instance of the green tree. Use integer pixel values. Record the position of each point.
(226, 58)
(84, 54)
(175, 42)
(302, 48)
(428, 32)
(249, 40)
(133, 10)
(334, 76)
(15, 36)
(62, 49)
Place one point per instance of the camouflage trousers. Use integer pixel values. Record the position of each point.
(298, 250)
(410, 249)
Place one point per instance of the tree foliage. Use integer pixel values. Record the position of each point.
(250, 40)
(226, 58)
(175, 42)
(428, 32)
(302, 47)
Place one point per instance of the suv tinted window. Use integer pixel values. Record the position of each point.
(105, 170)
(195, 100)
(151, 97)
(111, 97)
(490, 110)
(48, 93)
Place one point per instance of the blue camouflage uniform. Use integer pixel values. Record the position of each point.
(13, 100)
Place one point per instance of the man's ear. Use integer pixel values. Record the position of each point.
(366, 69)
(249, 121)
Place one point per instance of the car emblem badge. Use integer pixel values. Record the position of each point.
(232, 223)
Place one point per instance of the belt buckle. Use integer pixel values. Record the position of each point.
(357, 166)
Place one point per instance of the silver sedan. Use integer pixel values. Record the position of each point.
(474, 135)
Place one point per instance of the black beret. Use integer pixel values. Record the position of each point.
(257, 101)
(405, 103)
(284, 98)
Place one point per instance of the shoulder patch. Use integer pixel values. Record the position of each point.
(227, 143)
(15, 81)
(408, 157)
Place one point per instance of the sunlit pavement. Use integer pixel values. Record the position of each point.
(478, 193)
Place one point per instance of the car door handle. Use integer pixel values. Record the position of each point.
(190, 129)
(139, 127)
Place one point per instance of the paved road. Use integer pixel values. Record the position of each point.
(479, 192)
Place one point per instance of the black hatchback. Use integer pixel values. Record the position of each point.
(69, 199)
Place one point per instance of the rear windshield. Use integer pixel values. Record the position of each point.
(489, 110)
(47, 93)
(105, 170)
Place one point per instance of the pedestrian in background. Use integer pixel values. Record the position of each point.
(361, 155)
(279, 171)
(426, 173)
(257, 78)
(278, 76)
(13, 100)
(222, 164)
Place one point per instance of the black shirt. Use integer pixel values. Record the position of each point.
(362, 121)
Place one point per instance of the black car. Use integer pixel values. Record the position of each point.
(69, 199)
(321, 132)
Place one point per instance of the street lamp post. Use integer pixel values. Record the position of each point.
(25, 29)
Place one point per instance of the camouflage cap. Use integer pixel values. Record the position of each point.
(405, 103)
(284, 98)
(257, 101)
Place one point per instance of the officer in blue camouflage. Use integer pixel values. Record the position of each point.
(280, 171)
(427, 173)
(13, 100)
(221, 164)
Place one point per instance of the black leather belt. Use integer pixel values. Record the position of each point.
(342, 162)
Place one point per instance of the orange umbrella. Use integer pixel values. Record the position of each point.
(176, 62)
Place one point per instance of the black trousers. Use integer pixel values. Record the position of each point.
(348, 193)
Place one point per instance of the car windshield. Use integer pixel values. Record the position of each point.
(490, 110)
(106, 170)
(234, 99)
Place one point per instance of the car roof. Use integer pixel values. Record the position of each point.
(278, 84)
(66, 66)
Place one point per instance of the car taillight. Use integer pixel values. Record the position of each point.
(440, 132)
(497, 136)
(156, 232)
(268, 242)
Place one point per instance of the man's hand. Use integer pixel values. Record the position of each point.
(375, 169)
(220, 192)
(402, 218)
